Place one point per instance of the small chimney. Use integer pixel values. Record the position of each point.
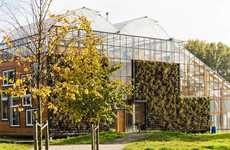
(107, 16)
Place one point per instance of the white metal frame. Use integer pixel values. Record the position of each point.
(12, 107)
(3, 99)
(31, 111)
(23, 100)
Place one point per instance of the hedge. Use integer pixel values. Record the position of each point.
(159, 84)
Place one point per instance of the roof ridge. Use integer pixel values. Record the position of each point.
(134, 19)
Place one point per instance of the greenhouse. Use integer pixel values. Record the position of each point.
(145, 39)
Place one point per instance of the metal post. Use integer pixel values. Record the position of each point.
(221, 106)
(36, 134)
(134, 117)
(133, 105)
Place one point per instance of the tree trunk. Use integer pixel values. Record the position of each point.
(47, 136)
(93, 143)
(97, 138)
(40, 122)
(35, 133)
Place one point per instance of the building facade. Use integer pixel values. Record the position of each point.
(138, 39)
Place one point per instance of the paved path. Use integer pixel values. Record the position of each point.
(117, 144)
(86, 147)
(132, 137)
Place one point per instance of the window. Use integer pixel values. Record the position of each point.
(6, 55)
(27, 100)
(29, 117)
(4, 107)
(27, 79)
(15, 101)
(14, 115)
(8, 77)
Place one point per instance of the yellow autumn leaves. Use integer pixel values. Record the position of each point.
(72, 75)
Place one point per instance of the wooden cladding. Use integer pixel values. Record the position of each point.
(120, 122)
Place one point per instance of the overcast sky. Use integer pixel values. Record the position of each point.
(182, 19)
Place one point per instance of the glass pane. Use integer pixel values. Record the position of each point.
(29, 117)
(15, 118)
(5, 78)
(11, 77)
(15, 101)
(4, 110)
(27, 100)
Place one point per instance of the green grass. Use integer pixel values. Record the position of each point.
(7, 146)
(154, 140)
(163, 140)
(85, 139)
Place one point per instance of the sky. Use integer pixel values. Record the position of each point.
(183, 19)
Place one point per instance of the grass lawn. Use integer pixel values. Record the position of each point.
(7, 146)
(153, 140)
(163, 140)
(85, 139)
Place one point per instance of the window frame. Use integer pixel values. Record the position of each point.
(25, 77)
(4, 99)
(27, 124)
(3, 74)
(12, 107)
(23, 100)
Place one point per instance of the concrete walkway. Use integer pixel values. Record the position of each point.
(117, 144)
(87, 147)
(132, 137)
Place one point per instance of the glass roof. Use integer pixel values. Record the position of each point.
(99, 23)
(143, 26)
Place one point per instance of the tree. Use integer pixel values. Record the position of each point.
(215, 55)
(28, 47)
(84, 81)
(83, 84)
(33, 37)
